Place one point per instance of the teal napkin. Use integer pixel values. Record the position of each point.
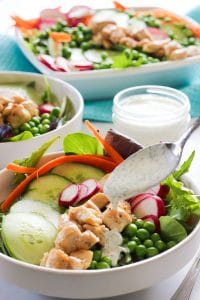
(12, 59)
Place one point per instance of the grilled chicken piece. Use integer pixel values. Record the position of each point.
(85, 256)
(84, 215)
(88, 239)
(99, 231)
(100, 200)
(118, 218)
(178, 54)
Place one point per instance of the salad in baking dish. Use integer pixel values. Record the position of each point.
(56, 215)
(86, 39)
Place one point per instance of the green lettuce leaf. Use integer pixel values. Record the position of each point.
(184, 168)
(171, 230)
(33, 159)
(121, 61)
(25, 135)
(81, 143)
(48, 95)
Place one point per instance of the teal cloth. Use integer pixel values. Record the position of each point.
(12, 59)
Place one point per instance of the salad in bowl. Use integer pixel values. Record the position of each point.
(57, 223)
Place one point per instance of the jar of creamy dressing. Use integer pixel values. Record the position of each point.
(151, 114)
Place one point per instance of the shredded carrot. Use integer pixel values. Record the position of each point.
(119, 6)
(20, 169)
(60, 37)
(116, 157)
(94, 160)
(86, 20)
(27, 24)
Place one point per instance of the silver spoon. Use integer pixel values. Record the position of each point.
(145, 168)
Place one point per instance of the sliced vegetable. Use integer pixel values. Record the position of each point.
(151, 205)
(79, 14)
(48, 61)
(119, 6)
(69, 195)
(46, 108)
(92, 187)
(27, 24)
(62, 64)
(20, 169)
(83, 193)
(60, 37)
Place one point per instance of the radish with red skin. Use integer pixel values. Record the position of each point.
(133, 201)
(69, 195)
(157, 34)
(81, 65)
(163, 191)
(45, 108)
(83, 192)
(77, 14)
(62, 64)
(153, 219)
(93, 187)
(152, 205)
(48, 61)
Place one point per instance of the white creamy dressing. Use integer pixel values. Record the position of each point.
(112, 249)
(139, 172)
(150, 105)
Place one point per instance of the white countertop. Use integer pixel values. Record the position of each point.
(166, 288)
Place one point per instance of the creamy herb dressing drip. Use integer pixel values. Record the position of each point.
(138, 172)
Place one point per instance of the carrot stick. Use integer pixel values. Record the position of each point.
(20, 169)
(60, 37)
(116, 157)
(93, 160)
(119, 6)
(27, 24)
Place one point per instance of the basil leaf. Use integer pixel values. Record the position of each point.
(81, 143)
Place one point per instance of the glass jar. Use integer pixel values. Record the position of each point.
(151, 114)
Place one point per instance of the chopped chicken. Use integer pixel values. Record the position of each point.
(100, 200)
(85, 256)
(118, 218)
(71, 239)
(84, 215)
(92, 205)
(142, 34)
(193, 50)
(154, 46)
(58, 259)
(98, 27)
(99, 231)
(128, 42)
(178, 54)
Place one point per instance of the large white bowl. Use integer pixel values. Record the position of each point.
(92, 284)
(10, 151)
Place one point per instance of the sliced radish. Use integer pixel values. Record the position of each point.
(133, 201)
(154, 220)
(77, 14)
(81, 65)
(83, 193)
(44, 24)
(151, 205)
(62, 64)
(52, 14)
(48, 61)
(163, 191)
(45, 108)
(93, 187)
(157, 34)
(69, 195)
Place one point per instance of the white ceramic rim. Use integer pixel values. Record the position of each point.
(157, 90)
(116, 269)
(78, 113)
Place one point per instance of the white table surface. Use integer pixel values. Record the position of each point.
(166, 288)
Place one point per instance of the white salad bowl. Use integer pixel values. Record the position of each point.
(90, 284)
(10, 151)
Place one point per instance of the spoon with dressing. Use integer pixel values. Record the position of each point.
(145, 168)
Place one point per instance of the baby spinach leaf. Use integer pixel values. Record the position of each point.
(171, 229)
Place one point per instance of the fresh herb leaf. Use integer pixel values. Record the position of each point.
(67, 110)
(33, 159)
(48, 95)
(121, 61)
(81, 143)
(171, 230)
(184, 168)
(25, 135)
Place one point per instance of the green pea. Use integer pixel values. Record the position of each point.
(148, 243)
(93, 265)
(125, 240)
(155, 237)
(140, 251)
(160, 245)
(45, 116)
(142, 234)
(102, 265)
(97, 254)
(130, 230)
(149, 226)
(104, 55)
(66, 52)
(55, 111)
(17, 131)
(31, 123)
(136, 239)
(36, 134)
(171, 244)
(107, 260)
(46, 121)
(34, 130)
(132, 246)
(139, 223)
(36, 120)
(44, 128)
(152, 251)
(86, 45)
(25, 126)
(73, 44)
(128, 52)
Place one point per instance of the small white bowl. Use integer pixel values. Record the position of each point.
(93, 284)
(10, 151)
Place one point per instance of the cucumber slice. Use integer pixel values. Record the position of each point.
(95, 56)
(47, 189)
(36, 207)
(27, 236)
(77, 172)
